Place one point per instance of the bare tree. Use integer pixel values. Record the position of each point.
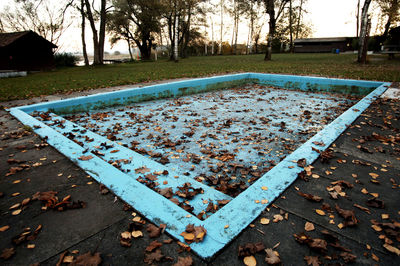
(45, 17)
(391, 10)
(98, 35)
(363, 40)
(270, 6)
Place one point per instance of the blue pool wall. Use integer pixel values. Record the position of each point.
(186, 87)
(223, 226)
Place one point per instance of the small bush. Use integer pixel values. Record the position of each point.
(65, 59)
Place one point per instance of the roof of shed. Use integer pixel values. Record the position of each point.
(331, 39)
(8, 38)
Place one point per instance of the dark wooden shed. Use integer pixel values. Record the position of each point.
(25, 51)
(323, 45)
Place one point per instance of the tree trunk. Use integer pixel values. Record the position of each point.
(176, 59)
(222, 3)
(299, 19)
(291, 26)
(212, 37)
(96, 59)
(102, 32)
(83, 26)
(363, 47)
(358, 18)
(272, 27)
(129, 48)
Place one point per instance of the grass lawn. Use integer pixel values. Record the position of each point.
(85, 78)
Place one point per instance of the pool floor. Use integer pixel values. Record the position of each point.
(224, 139)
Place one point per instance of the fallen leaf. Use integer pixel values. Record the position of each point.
(392, 249)
(312, 260)
(153, 245)
(153, 230)
(309, 227)
(87, 259)
(137, 234)
(272, 258)
(310, 197)
(348, 257)
(154, 256)
(374, 257)
(264, 221)
(184, 261)
(250, 261)
(16, 212)
(7, 253)
(320, 212)
(4, 228)
(85, 158)
(250, 249)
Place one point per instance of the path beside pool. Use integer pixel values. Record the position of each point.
(366, 156)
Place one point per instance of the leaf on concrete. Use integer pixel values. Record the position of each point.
(250, 261)
(348, 215)
(7, 253)
(153, 231)
(310, 197)
(348, 257)
(184, 261)
(153, 245)
(375, 203)
(272, 258)
(153, 256)
(87, 259)
(392, 249)
(312, 260)
(250, 249)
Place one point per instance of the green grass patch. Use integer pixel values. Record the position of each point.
(85, 78)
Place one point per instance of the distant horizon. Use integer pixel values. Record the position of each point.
(328, 18)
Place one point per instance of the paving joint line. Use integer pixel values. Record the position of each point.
(82, 240)
(323, 226)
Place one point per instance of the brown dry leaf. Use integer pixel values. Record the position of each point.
(374, 257)
(85, 157)
(154, 256)
(87, 259)
(376, 228)
(153, 245)
(184, 261)
(4, 228)
(310, 197)
(264, 221)
(30, 246)
(7, 253)
(373, 175)
(277, 218)
(385, 216)
(362, 208)
(312, 260)
(68, 259)
(250, 261)
(392, 249)
(153, 230)
(318, 244)
(272, 258)
(15, 206)
(137, 234)
(126, 235)
(16, 212)
(320, 212)
(309, 226)
(348, 257)
(250, 249)
(142, 170)
(348, 215)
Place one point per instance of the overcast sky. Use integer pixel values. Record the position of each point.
(329, 18)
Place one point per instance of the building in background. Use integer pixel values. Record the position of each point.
(26, 51)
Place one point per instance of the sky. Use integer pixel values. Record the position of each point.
(329, 18)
